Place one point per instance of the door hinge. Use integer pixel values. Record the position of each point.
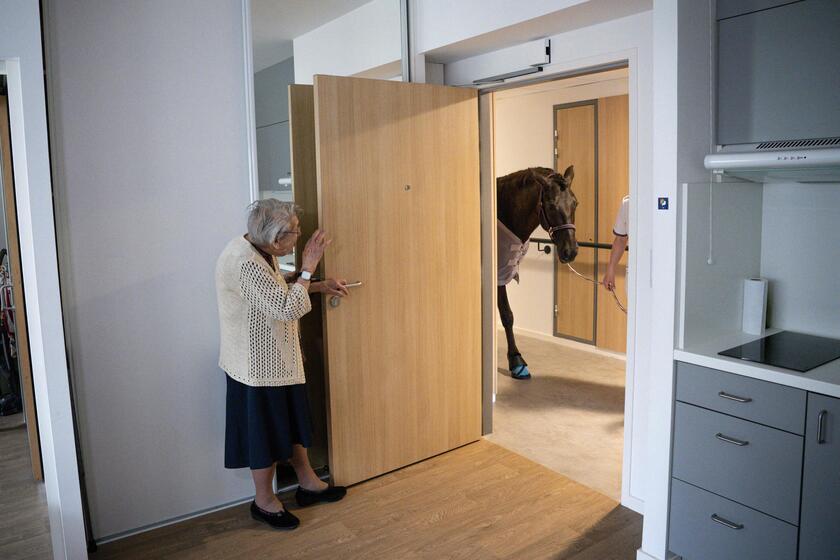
(555, 152)
(555, 134)
(555, 309)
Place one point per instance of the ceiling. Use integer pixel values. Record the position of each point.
(276, 22)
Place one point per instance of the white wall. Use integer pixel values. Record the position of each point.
(20, 46)
(713, 293)
(681, 85)
(150, 144)
(442, 22)
(799, 252)
(524, 137)
(367, 38)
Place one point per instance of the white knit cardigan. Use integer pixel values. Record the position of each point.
(258, 315)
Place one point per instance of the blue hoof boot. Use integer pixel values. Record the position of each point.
(520, 372)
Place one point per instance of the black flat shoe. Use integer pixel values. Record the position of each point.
(281, 520)
(331, 494)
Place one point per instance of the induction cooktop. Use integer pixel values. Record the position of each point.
(789, 350)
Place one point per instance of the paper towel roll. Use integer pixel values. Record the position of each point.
(755, 306)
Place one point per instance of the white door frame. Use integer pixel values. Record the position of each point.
(559, 71)
(22, 63)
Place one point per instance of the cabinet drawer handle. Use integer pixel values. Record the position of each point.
(733, 441)
(821, 427)
(727, 396)
(726, 523)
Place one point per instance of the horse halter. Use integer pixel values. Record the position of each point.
(544, 219)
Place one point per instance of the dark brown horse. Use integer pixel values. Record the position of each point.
(524, 200)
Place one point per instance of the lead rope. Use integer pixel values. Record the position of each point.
(588, 279)
(551, 229)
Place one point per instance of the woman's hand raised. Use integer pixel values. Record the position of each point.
(314, 250)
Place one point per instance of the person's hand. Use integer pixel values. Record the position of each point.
(314, 250)
(609, 279)
(333, 287)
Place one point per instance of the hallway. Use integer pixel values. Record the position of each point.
(569, 416)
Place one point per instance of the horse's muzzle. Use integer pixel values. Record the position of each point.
(567, 255)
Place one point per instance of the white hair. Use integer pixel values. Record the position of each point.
(268, 219)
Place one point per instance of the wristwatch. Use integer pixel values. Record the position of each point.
(305, 275)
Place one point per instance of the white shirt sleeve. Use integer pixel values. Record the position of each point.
(622, 224)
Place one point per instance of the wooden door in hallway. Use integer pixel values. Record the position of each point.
(593, 136)
(398, 191)
(575, 144)
(613, 186)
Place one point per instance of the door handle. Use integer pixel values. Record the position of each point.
(727, 396)
(726, 523)
(821, 427)
(733, 441)
(335, 301)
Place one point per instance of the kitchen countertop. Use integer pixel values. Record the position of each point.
(824, 379)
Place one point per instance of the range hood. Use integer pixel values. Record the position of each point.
(778, 116)
(804, 163)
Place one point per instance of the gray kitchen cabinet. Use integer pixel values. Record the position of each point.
(778, 75)
(819, 536)
(754, 465)
(758, 401)
(705, 526)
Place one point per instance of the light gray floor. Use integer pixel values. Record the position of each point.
(568, 417)
(24, 520)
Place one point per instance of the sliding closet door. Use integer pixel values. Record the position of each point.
(15, 283)
(398, 189)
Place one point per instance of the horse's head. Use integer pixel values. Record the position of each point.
(558, 213)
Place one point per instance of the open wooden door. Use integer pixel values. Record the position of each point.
(305, 190)
(398, 191)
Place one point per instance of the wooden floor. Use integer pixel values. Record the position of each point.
(569, 416)
(480, 501)
(24, 520)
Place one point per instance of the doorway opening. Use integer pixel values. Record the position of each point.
(21, 471)
(569, 328)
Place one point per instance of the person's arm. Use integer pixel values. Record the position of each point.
(618, 246)
(264, 292)
(330, 287)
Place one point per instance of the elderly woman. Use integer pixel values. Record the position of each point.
(268, 418)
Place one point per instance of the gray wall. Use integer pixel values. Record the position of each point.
(271, 106)
(150, 152)
(799, 257)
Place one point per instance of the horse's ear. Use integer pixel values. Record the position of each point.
(569, 174)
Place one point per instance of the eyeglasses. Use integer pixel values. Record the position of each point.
(289, 232)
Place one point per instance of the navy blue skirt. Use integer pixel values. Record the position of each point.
(263, 423)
